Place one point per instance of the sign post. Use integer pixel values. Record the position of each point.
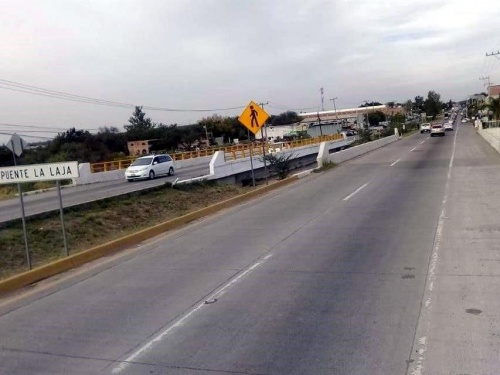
(16, 146)
(39, 172)
(253, 118)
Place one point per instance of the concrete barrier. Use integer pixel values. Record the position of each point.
(220, 168)
(86, 177)
(341, 156)
(29, 277)
(492, 136)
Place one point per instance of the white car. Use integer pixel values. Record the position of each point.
(150, 167)
(448, 126)
(425, 127)
(437, 129)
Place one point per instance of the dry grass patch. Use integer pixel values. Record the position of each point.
(102, 221)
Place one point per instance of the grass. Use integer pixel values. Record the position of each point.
(102, 221)
(10, 191)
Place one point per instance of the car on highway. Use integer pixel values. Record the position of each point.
(448, 126)
(425, 127)
(437, 129)
(150, 167)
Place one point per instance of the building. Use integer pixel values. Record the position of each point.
(494, 92)
(345, 115)
(137, 148)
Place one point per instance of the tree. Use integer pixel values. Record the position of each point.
(432, 104)
(140, 127)
(494, 107)
(284, 118)
(369, 104)
(374, 118)
(419, 102)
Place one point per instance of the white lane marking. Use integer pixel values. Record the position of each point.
(355, 191)
(393, 164)
(422, 142)
(424, 319)
(413, 149)
(180, 321)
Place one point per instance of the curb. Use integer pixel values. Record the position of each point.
(73, 261)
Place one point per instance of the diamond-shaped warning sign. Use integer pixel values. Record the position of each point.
(253, 117)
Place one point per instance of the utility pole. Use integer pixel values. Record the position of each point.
(493, 54)
(487, 78)
(322, 99)
(334, 107)
(263, 145)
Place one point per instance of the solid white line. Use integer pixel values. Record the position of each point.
(424, 319)
(393, 164)
(355, 191)
(179, 321)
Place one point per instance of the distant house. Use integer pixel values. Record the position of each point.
(477, 98)
(494, 92)
(137, 148)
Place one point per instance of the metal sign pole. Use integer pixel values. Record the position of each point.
(62, 217)
(264, 154)
(251, 158)
(23, 216)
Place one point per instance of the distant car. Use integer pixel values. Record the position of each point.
(425, 127)
(437, 129)
(448, 126)
(150, 167)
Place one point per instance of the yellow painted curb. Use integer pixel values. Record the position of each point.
(29, 277)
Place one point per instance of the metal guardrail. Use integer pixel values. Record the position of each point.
(230, 152)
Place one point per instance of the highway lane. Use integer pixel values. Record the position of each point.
(75, 195)
(329, 275)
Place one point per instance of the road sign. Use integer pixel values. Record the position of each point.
(253, 117)
(39, 172)
(16, 144)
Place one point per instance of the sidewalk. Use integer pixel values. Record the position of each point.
(459, 327)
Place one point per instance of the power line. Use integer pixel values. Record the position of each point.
(279, 106)
(27, 135)
(40, 91)
(493, 54)
(42, 128)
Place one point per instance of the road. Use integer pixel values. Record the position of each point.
(75, 195)
(387, 264)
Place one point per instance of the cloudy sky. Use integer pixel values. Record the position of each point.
(217, 54)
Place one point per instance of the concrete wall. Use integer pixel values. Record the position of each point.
(341, 156)
(220, 168)
(492, 136)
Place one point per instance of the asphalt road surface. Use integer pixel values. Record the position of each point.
(75, 195)
(387, 264)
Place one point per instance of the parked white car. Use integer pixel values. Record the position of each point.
(150, 167)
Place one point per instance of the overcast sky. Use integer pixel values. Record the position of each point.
(214, 54)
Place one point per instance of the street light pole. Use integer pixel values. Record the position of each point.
(367, 118)
(206, 135)
(335, 107)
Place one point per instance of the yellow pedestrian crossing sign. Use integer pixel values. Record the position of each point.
(253, 117)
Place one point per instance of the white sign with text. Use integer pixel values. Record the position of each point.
(39, 172)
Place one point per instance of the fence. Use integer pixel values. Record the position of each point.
(230, 152)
